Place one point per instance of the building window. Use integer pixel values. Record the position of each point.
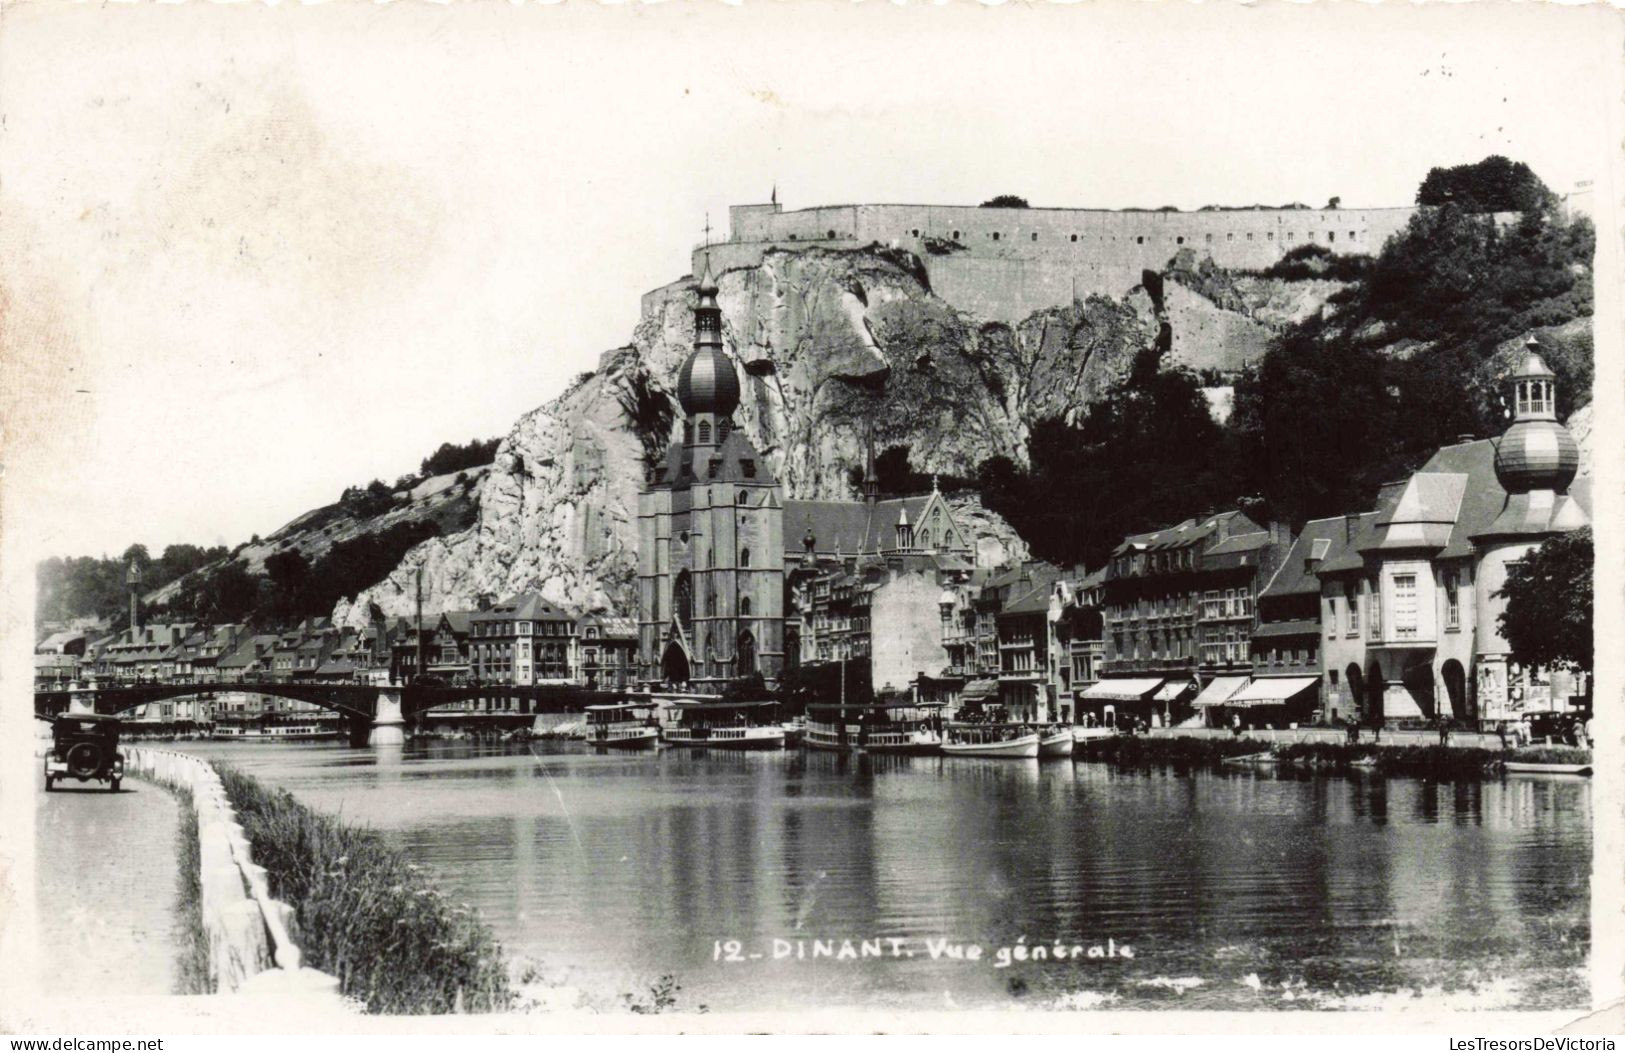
(1351, 607)
(1074, 237)
(705, 431)
(744, 606)
(995, 235)
(1140, 240)
(742, 499)
(1180, 240)
(1035, 235)
(1405, 605)
(832, 235)
(1375, 592)
(956, 235)
(1452, 599)
(744, 557)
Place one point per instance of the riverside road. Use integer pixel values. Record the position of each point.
(106, 880)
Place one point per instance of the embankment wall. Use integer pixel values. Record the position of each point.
(251, 950)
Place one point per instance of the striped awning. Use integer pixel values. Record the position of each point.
(1121, 690)
(979, 691)
(1272, 690)
(1219, 690)
(1172, 690)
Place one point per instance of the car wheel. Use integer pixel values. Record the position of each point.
(50, 784)
(114, 786)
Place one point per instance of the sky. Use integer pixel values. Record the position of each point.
(253, 255)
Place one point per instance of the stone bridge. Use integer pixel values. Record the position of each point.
(376, 714)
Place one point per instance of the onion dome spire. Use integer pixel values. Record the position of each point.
(708, 382)
(1537, 452)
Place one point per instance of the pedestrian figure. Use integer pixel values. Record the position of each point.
(1501, 732)
(1235, 725)
(1444, 732)
(1352, 728)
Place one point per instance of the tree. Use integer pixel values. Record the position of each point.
(1334, 204)
(1548, 615)
(1494, 184)
(1005, 201)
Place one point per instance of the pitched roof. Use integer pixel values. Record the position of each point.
(1033, 601)
(1323, 540)
(527, 606)
(849, 527)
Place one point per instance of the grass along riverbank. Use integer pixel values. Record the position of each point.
(1445, 762)
(192, 965)
(366, 915)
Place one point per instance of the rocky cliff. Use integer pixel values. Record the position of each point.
(828, 342)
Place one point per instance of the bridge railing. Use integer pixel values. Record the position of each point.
(251, 949)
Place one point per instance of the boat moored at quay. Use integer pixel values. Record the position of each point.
(723, 726)
(626, 726)
(909, 728)
(1056, 740)
(990, 740)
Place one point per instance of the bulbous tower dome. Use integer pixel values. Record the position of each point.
(708, 382)
(1536, 453)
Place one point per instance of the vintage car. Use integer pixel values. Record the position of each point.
(84, 746)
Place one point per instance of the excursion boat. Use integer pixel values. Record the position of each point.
(990, 740)
(1055, 741)
(1081, 735)
(723, 726)
(625, 726)
(911, 728)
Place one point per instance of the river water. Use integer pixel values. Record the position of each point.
(1243, 890)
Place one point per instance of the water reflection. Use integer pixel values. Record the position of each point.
(618, 868)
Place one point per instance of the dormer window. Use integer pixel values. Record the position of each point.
(748, 467)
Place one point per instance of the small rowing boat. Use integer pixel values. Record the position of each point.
(1055, 741)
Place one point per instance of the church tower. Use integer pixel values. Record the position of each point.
(711, 534)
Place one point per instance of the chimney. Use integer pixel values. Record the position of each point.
(482, 601)
(1348, 528)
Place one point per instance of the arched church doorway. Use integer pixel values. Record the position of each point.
(747, 654)
(674, 664)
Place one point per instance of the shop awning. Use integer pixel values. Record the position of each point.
(1219, 690)
(1123, 690)
(1272, 690)
(1172, 690)
(979, 691)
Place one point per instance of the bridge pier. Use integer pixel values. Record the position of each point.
(81, 699)
(388, 725)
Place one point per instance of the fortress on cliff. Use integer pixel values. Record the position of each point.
(1003, 264)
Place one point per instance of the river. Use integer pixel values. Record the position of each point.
(1234, 890)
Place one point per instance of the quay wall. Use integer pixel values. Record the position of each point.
(251, 950)
(1004, 263)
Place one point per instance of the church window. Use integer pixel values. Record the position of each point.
(705, 431)
(744, 498)
(744, 606)
(744, 557)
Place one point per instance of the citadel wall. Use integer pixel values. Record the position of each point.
(1004, 263)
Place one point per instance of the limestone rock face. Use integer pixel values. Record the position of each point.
(827, 344)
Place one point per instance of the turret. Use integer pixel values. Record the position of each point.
(132, 578)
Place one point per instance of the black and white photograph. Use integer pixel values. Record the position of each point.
(810, 517)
